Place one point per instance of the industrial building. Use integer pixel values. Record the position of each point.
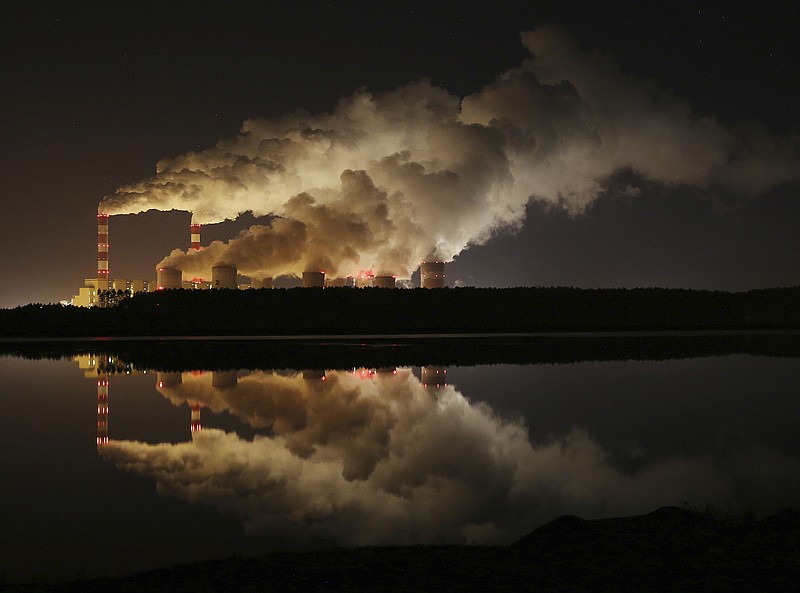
(89, 294)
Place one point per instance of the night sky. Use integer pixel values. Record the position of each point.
(94, 98)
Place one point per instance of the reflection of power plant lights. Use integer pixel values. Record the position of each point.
(433, 376)
(102, 411)
(195, 422)
(365, 373)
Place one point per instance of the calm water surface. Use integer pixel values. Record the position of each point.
(108, 473)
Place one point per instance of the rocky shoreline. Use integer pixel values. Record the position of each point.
(670, 549)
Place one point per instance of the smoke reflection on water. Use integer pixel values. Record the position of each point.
(294, 459)
(385, 456)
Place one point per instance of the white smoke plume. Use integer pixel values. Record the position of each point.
(387, 461)
(389, 179)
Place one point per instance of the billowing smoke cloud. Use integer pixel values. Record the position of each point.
(388, 461)
(389, 179)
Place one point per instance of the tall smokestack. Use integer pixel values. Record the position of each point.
(102, 252)
(431, 274)
(195, 235)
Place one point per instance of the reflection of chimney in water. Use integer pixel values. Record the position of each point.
(102, 409)
(195, 423)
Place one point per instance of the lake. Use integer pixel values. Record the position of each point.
(116, 462)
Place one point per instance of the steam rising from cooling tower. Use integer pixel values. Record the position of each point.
(391, 179)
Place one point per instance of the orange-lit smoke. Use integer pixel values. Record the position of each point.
(389, 179)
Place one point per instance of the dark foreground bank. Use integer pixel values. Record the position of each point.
(380, 311)
(670, 549)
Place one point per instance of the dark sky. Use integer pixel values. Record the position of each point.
(93, 98)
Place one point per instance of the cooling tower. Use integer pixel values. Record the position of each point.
(102, 252)
(313, 279)
(384, 282)
(195, 235)
(224, 277)
(265, 283)
(431, 274)
(168, 278)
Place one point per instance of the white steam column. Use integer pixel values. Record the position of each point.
(314, 279)
(102, 252)
(431, 274)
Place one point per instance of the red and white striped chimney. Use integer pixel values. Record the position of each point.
(102, 252)
(195, 235)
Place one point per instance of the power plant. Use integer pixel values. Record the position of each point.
(96, 291)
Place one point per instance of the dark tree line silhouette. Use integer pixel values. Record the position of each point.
(380, 311)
